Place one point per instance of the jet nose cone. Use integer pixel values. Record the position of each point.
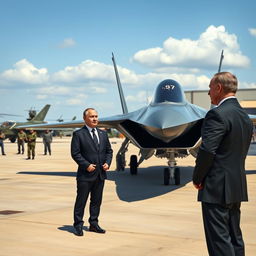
(167, 134)
(164, 116)
(165, 121)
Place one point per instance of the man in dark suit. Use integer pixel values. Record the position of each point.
(219, 174)
(91, 150)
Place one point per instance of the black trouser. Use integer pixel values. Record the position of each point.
(2, 146)
(222, 229)
(84, 188)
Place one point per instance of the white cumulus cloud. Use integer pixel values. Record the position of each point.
(25, 72)
(67, 43)
(87, 70)
(203, 53)
(75, 101)
(99, 90)
(41, 96)
(252, 31)
(246, 85)
(55, 90)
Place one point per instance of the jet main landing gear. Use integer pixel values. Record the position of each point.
(133, 165)
(120, 156)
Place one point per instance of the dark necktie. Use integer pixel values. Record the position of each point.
(95, 139)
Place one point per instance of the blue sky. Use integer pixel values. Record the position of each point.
(58, 52)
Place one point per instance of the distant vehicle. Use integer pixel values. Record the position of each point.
(10, 127)
(62, 132)
(31, 114)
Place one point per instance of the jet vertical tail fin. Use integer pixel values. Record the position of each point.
(120, 89)
(41, 115)
(219, 70)
(221, 59)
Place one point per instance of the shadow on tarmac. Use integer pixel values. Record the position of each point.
(70, 228)
(148, 183)
(250, 172)
(67, 174)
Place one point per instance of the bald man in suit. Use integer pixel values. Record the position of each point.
(91, 150)
(219, 174)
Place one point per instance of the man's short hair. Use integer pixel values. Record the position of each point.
(85, 111)
(227, 80)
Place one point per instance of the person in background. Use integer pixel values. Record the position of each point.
(21, 141)
(47, 140)
(219, 174)
(2, 137)
(31, 140)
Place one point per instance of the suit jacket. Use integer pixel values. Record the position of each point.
(85, 152)
(220, 163)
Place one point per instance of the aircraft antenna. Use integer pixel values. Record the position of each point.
(120, 89)
(221, 59)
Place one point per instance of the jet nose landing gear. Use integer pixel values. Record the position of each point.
(172, 172)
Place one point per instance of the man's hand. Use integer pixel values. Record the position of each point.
(105, 167)
(198, 186)
(91, 167)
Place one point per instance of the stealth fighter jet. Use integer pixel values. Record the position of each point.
(169, 127)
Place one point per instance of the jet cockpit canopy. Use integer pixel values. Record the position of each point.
(8, 124)
(168, 91)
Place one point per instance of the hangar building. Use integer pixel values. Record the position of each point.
(246, 97)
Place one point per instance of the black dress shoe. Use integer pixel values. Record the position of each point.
(97, 229)
(79, 231)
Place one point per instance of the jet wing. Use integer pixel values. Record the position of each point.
(156, 126)
(59, 125)
(108, 122)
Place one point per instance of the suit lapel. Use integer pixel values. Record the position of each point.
(100, 133)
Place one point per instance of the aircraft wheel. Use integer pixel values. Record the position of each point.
(177, 176)
(120, 163)
(166, 176)
(133, 165)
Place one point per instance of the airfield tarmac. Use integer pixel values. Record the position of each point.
(141, 215)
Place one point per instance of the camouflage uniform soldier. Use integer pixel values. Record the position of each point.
(21, 141)
(31, 139)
